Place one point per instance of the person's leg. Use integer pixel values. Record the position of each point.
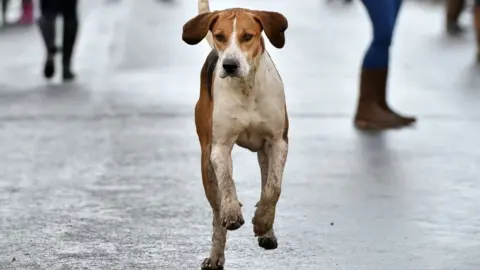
(27, 12)
(4, 11)
(384, 86)
(476, 17)
(70, 29)
(370, 112)
(382, 16)
(46, 23)
(453, 9)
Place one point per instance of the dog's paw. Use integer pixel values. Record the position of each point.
(232, 217)
(213, 263)
(263, 219)
(268, 242)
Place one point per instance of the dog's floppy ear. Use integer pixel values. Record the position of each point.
(274, 25)
(197, 28)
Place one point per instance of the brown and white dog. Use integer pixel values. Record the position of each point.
(242, 101)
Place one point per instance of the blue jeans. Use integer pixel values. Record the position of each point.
(383, 15)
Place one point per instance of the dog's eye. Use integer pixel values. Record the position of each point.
(220, 37)
(247, 37)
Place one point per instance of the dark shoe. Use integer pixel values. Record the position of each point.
(68, 75)
(370, 115)
(454, 29)
(49, 68)
(382, 98)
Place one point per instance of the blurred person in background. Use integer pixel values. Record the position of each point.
(476, 18)
(50, 9)
(453, 11)
(4, 11)
(373, 111)
(27, 12)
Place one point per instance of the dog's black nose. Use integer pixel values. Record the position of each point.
(230, 65)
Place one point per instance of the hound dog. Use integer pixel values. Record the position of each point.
(242, 102)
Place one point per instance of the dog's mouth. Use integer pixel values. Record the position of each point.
(224, 75)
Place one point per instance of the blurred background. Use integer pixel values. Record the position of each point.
(103, 172)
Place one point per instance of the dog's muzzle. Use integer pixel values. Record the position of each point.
(230, 67)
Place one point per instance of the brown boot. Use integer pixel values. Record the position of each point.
(476, 18)
(370, 115)
(382, 98)
(454, 9)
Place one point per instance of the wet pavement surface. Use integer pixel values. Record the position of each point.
(104, 173)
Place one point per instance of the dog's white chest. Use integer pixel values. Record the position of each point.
(249, 113)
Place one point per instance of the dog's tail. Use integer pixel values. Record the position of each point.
(204, 7)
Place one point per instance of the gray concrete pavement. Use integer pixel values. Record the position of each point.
(104, 173)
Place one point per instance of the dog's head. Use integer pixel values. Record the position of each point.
(237, 35)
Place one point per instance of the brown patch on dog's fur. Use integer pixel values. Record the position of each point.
(203, 123)
(248, 29)
(211, 63)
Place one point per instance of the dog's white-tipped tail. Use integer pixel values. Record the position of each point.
(204, 7)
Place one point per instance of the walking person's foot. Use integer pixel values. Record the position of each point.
(454, 29)
(49, 68)
(68, 75)
(373, 111)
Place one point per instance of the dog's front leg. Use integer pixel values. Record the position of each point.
(230, 207)
(265, 213)
(216, 259)
(268, 240)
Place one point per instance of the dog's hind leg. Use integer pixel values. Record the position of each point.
(268, 240)
(265, 214)
(216, 259)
